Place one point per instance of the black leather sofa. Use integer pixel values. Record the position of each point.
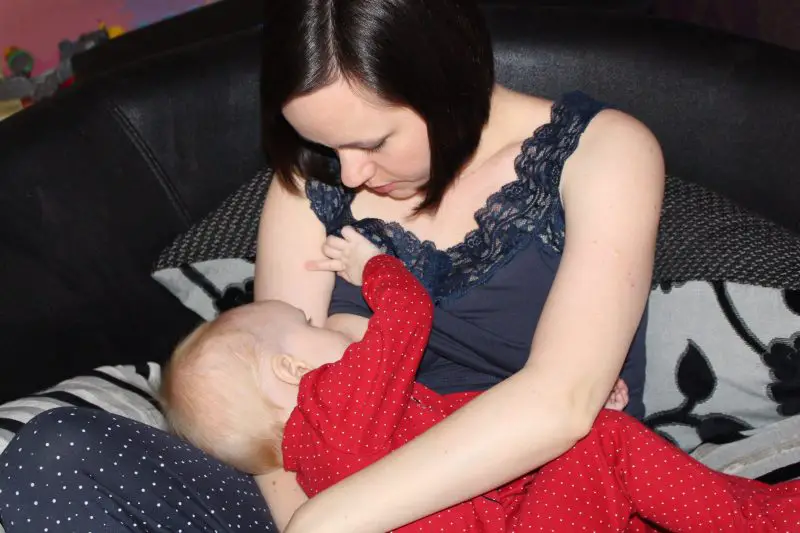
(95, 182)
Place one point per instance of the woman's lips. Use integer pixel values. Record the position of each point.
(384, 189)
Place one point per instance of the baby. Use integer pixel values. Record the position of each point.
(260, 388)
(231, 385)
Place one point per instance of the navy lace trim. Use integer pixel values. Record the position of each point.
(523, 208)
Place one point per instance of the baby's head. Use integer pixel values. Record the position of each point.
(231, 384)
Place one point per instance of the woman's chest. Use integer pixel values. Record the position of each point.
(504, 301)
(457, 214)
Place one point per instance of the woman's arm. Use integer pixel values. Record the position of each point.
(282, 494)
(612, 189)
(289, 236)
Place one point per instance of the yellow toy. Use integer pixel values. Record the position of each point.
(112, 31)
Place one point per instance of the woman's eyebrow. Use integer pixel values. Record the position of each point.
(361, 145)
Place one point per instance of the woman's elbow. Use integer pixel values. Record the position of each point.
(571, 410)
(579, 424)
(580, 415)
(572, 413)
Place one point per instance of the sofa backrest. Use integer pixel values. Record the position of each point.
(96, 181)
(725, 109)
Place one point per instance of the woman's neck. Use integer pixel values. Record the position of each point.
(512, 118)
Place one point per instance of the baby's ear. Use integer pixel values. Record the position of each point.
(289, 369)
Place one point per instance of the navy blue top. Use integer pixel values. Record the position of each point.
(489, 290)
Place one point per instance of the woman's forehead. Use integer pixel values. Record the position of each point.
(338, 115)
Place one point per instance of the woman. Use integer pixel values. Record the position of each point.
(532, 223)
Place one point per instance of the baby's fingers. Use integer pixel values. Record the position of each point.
(335, 242)
(325, 265)
(331, 251)
(350, 235)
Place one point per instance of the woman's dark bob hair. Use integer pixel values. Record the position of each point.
(433, 56)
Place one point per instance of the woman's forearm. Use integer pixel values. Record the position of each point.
(496, 443)
(282, 494)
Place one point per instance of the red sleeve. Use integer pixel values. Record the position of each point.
(358, 401)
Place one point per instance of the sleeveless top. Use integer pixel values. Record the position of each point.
(488, 290)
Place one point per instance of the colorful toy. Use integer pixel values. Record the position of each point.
(23, 87)
(19, 62)
(112, 31)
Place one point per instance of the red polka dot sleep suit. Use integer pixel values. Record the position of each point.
(353, 412)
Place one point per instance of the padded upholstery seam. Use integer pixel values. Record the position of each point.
(175, 52)
(149, 157)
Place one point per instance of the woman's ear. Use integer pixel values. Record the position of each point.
(289, 369)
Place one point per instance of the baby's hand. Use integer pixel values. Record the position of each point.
(347, 255)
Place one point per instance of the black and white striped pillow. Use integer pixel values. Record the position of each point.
(770, 454)
(125, 390)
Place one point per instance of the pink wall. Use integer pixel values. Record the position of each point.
(38, 25)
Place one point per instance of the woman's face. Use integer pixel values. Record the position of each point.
(381, 147)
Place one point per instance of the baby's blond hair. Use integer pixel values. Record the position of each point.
(212, 396)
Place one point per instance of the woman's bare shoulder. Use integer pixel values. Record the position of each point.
(617, 153)
(616, 135)
(616, 122)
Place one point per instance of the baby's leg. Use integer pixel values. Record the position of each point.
(618, 399)
(623, 469)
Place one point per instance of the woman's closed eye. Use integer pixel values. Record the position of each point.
(377, 147)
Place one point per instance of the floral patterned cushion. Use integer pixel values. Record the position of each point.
(723, 359)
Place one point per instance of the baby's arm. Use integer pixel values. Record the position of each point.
(374, 379)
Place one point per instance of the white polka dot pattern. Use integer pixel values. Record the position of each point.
(87, 471)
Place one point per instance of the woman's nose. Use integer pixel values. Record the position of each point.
(356, 169)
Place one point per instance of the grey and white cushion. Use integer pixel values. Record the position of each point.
(125, 390)
(723, 359)
(770, 454)
(229, 231)
(210, 287)
(704, 236)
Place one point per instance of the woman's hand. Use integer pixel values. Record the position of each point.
(346, 255)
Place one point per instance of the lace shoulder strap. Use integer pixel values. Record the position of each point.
(541, 161)
(331, 204)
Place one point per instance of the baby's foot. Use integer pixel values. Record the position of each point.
(618, 399)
